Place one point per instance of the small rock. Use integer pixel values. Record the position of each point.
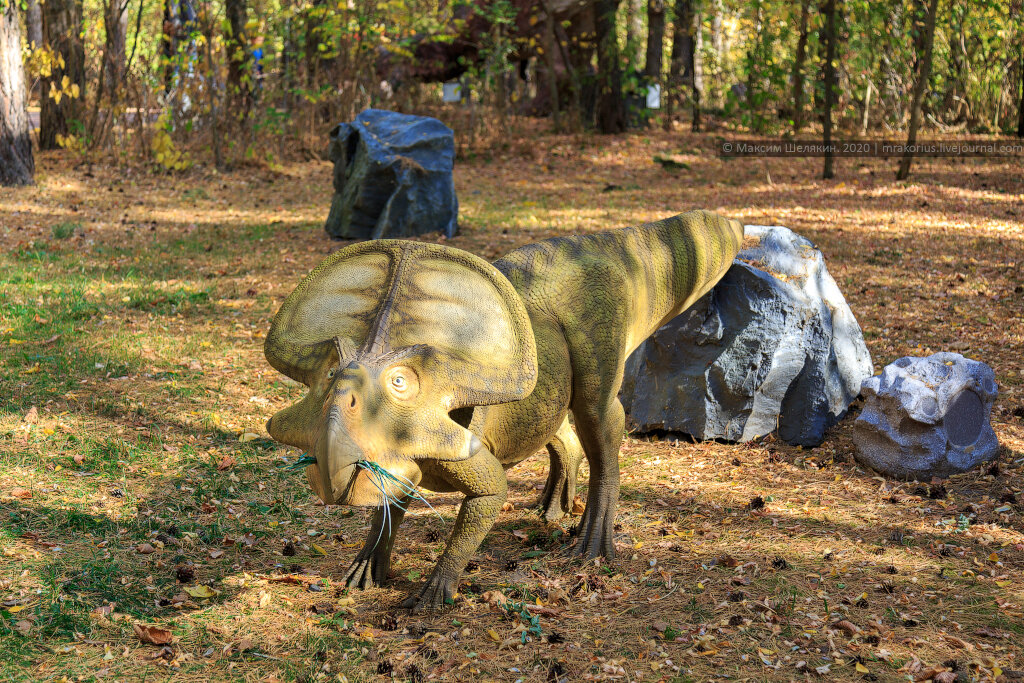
(927, 417)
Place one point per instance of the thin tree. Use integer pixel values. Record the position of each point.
(682, 68)
(718, 49)
(655, 40)
(611, 109)
(829, 40)
(239, 60)
(34, 23)
(798, 66)
(924, 74)
(549, 53)
(62, 31)
(16, 163)
(1020, 105)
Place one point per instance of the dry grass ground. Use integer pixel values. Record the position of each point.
(138, 487)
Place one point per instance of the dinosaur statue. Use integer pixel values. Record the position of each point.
(428, 366)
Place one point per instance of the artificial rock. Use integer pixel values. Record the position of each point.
(392, 177)
(773, 346)
(927, 417)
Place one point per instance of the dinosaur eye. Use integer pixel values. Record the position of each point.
(402, 382)
(331, 373)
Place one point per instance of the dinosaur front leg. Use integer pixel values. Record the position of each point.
(601, 433)
(371, 566)
(565, 453)
(482, 479)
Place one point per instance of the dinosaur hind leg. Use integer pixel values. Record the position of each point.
(566, 455)
(600, 430)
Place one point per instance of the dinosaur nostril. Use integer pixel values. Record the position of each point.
(352, 401)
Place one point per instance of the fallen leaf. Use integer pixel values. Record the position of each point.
(578, 506)
(201, 591)
(145, 549)
(319, 550)
(153, 635)
(246, 437)
(216, 553)
(19, 492)
(225, 463)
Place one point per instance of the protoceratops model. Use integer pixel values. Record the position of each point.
(428, 366)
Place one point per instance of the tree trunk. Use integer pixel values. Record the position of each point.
(681, 67)
(634, 28)
(550, 60)
(829, 10)
(698, 69)
(753, 57)
(611, 109)
(62, 31)
(34, 23)
(920, 88)
(115, 22)
(1020, 105)
(16, 163)
(240, 60)
(655, 40)
(798, 67)
(717, 92)
(168, 35)
(867, 109)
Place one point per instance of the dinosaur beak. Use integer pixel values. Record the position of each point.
(334, 475)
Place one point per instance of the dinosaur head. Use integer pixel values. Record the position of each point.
(391, 337)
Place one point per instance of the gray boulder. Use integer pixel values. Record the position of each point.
(392, 177)
(773, 346)
(927, 417)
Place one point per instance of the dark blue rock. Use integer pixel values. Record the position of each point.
(392, 177)
(773, 346)
(927, 417)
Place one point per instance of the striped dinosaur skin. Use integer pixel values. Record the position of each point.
(446, 371)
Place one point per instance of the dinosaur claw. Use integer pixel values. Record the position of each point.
(362, 573)
(435, 594)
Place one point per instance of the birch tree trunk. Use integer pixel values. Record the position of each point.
(16, 162)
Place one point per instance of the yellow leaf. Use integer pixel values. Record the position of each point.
(493, 635)
(994, 557)
(201, 591)
(246, 437)
(32, 370)
(16, 608)
(861, 668)
(319, 550)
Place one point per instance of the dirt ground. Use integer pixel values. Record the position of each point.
(149, 529)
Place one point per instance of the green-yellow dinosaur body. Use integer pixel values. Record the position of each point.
(445, 371)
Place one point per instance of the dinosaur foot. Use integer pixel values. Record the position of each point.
(596, 529)
(437, 592)
(366, 572)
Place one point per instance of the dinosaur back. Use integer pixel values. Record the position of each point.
(649, 273)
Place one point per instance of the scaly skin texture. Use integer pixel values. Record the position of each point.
(446, 371)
